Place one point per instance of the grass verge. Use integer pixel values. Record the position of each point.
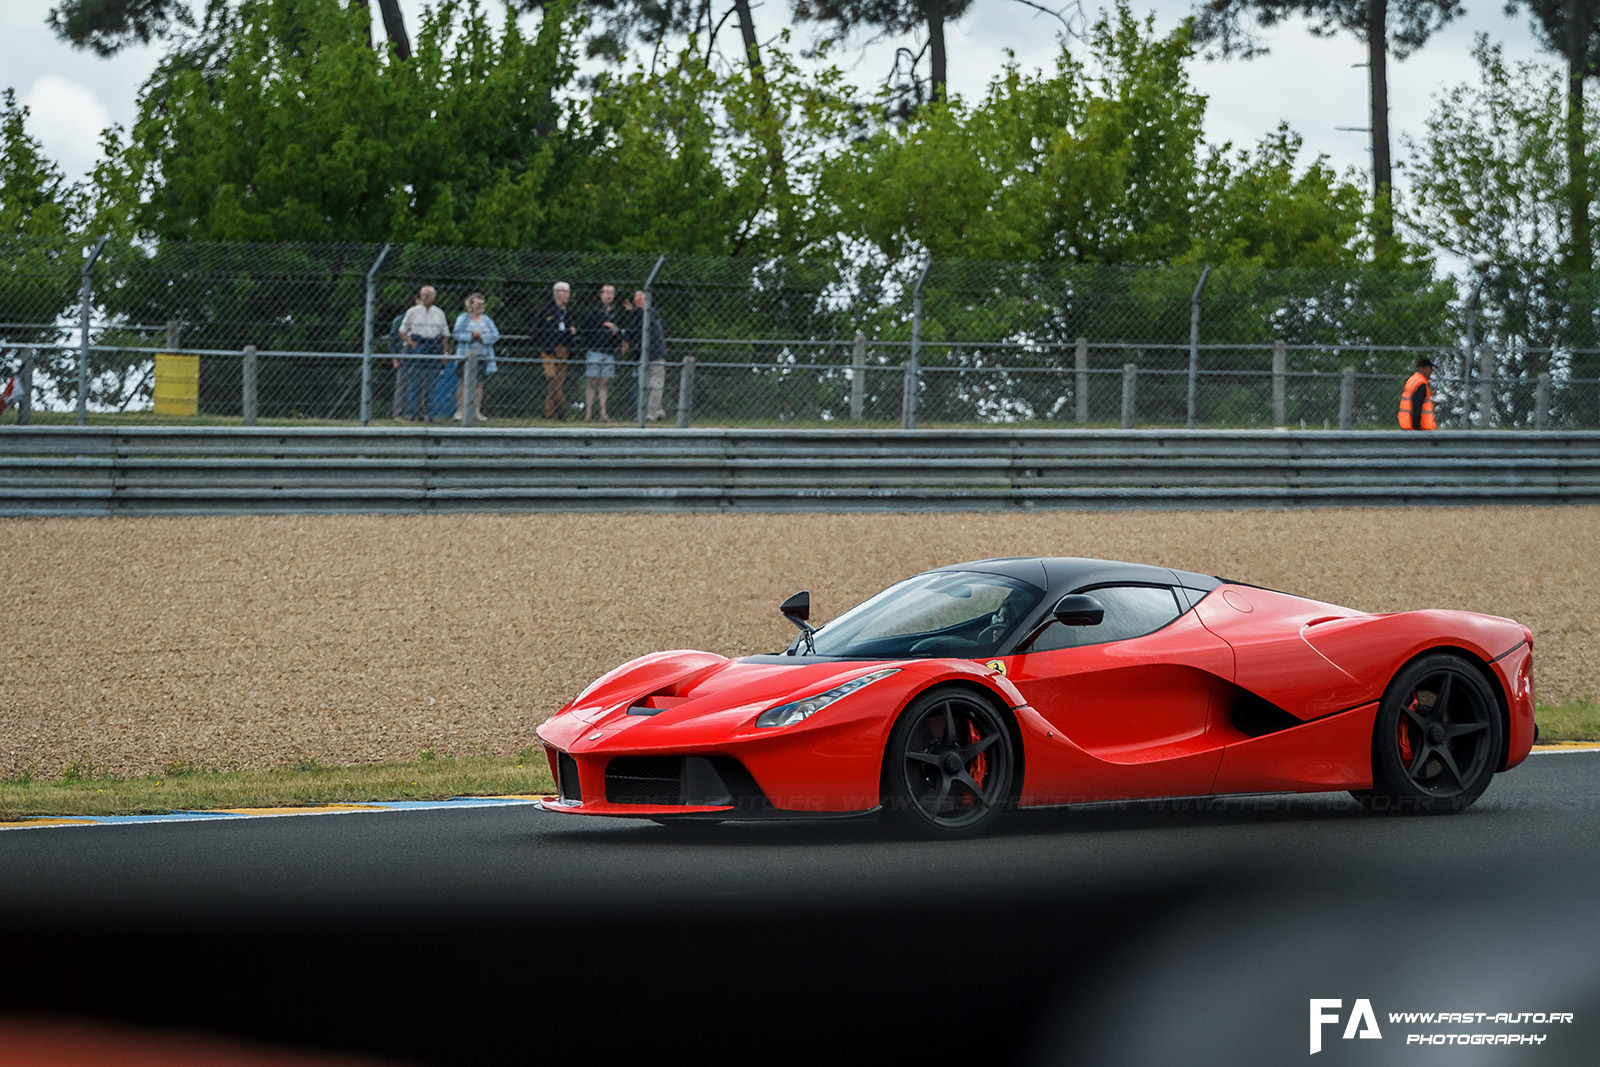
(1576, 721)
(180, 788)
(78, 791)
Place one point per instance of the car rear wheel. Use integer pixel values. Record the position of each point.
(1437, 740)
(948, 766)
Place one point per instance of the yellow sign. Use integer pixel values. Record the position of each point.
(177, 384)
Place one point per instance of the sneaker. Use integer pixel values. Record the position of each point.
(458, 416)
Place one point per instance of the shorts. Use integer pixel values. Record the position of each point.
(600, 365)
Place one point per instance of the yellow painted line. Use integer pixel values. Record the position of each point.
(1566, 746)
(299, 811)
(50, 822)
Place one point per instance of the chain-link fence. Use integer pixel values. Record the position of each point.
(312, 332)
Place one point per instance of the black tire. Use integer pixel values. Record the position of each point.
(1437, 740)
(948, 767)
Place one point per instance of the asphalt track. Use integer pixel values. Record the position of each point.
(1146, 934)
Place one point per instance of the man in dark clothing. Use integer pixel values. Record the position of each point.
(602, 334)
(555, 327)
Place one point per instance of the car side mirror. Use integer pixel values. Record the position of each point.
(1078, 609)
(797, 609)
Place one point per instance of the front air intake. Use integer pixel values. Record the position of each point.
(567, 778)
(687, 781)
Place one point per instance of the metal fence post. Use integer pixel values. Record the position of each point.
(1485, 385)
(1080, 363)
(908, 410)
(685, 392)
(85, 305)
(25, 377)
(644, 336)
(247, 374)
(1194, 344)
(1347, 398)
(858, 377)
(1130, 375)
(1541, 402)
(1280, 370)
(366, 342)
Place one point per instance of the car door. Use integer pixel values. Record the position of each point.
(1133, 695)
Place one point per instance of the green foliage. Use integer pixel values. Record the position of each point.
(306, 133)
(1102, 161)
(682, 159)
(1490, 176)
(35, 200)
(108, 25)
(39, 263)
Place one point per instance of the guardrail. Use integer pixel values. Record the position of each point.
(224, 470)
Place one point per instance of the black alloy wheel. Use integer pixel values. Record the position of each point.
(948, 767)
(1437, 740)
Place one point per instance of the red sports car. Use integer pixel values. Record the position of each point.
(958, 694)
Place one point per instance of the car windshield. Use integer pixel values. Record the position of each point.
(966, 614)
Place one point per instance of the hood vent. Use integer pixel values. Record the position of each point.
(656, 703)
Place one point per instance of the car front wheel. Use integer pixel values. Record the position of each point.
(948, 766)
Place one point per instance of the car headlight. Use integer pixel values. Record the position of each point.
(795, 711)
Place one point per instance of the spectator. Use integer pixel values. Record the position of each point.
(554, 329)
(475, 334)
(1416, 400)
(423, 331)
(396, 346)
(604, 335)
(628, 353)
(656, 372)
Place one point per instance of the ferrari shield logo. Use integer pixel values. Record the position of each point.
(997, 666)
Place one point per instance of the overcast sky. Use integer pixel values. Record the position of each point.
(1315, 84)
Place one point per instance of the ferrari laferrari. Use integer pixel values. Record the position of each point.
(1002, 684)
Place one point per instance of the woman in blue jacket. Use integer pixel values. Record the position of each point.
(475, 332)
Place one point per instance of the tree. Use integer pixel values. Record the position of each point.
(1571, 29)
(35, 199)
(303, 133)
(1398, 26)
(895, 17)
(1491, 177)
(1094, 191)
(108, 26)
(681, 158)
(1103, 161)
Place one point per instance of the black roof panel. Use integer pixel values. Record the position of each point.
(1065, 574)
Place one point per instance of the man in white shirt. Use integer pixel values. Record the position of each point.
(422, 333)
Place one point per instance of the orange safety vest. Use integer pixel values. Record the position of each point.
(1413, 383)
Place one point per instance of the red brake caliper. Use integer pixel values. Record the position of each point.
(980, 763)
(1405, 734)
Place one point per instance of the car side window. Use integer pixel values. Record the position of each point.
(1131, 611)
